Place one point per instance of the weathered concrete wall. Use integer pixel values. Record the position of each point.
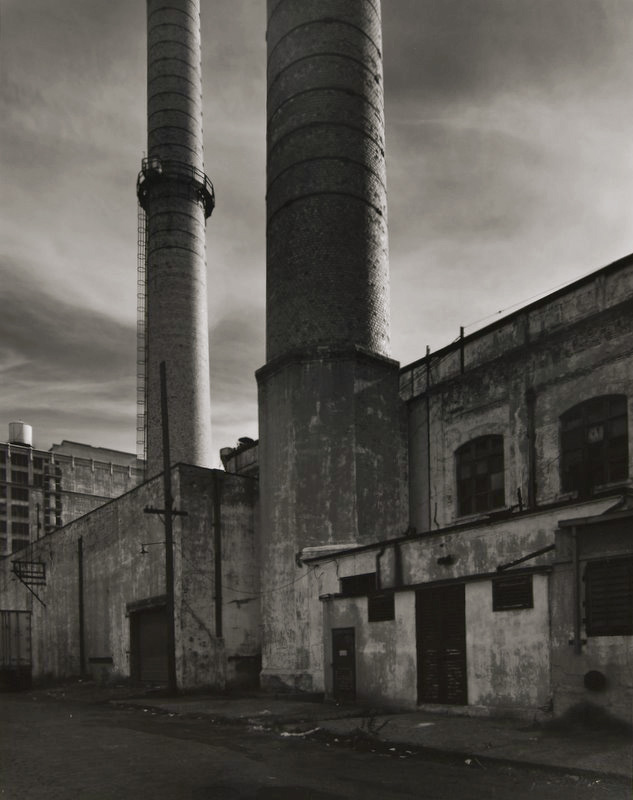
(386, 660)
(124, 565)
(218, 648)
(564, 349)
(332, 470)
(115, 573)
(610, 655)
(507, 654)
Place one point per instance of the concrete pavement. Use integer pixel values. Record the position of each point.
(573, 748)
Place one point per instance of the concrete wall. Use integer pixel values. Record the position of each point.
(507, 652)
(386, 661)
(566, 348)
(610, 655)
(332, 471)
(215, 500)
(115, 573)
(123, 567)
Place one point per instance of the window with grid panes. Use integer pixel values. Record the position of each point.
(19, 493)
(17, 476)
(594, 444)
(480, 475)
(19, 460)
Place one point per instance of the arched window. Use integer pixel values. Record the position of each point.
(594, 444)
(480, 475)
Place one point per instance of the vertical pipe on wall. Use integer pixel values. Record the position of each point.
(576, 599)
(80, 582)
(530, 401)
(172, 684)
(217, 551)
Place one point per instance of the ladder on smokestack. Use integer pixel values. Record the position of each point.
(141, 336)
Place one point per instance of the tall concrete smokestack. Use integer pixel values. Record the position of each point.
(330, 417)
(177, 198)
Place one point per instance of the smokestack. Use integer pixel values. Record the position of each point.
(327, 260)
(331, 447)
(177, 198)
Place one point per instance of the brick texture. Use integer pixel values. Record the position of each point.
(327, 251)
(177, 324)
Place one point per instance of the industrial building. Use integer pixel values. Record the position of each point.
(454, 533)
(42, 490)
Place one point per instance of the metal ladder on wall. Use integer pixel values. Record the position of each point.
(141, 335)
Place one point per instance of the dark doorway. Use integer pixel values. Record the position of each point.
(148, 634)
(343, 665)
(441, 644)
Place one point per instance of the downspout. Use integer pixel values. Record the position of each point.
(576, 591)
(530, 399)
(217, 552)
(80, 582)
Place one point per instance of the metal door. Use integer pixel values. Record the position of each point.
(149, 645)
(343, 665)
(441, 645)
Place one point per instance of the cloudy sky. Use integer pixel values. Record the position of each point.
(510, 172)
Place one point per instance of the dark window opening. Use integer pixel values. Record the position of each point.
(19, 493)
(358, 585)
(381, 607)
(19, 477)
(19, 460)
(594, 444)
(480, 475)
(512, 592)
(21, 528)
(19, 544)
(19, 511)
(609, 597)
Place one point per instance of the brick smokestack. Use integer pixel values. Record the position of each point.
(331, 446)
(327, 264)
(177, 198)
